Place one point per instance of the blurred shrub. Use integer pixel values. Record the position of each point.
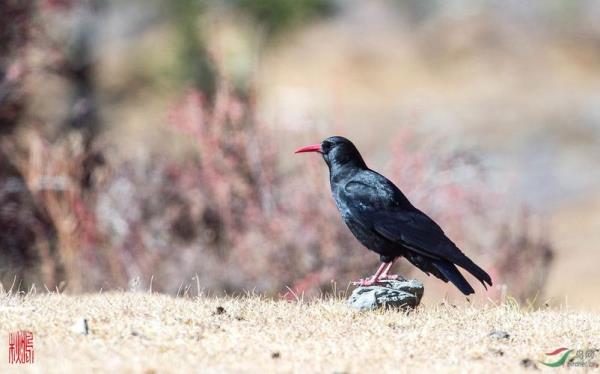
(28, 242)
(15, 23)
(229, 216)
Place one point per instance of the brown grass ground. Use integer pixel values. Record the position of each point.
(142, 332)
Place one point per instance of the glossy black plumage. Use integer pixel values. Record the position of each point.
(384, 221)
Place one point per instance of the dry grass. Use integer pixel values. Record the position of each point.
(142, 332)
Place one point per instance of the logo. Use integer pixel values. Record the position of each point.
(570, 357)
(20, 347)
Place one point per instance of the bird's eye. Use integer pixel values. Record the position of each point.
(326, 146)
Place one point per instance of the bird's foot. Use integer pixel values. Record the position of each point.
(365, 282)
(390, 277)
(371, 281)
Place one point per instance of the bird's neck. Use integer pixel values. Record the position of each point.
(343, 170)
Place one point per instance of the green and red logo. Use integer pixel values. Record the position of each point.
(559, 356)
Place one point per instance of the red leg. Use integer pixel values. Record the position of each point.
(385, 274)
(374, 279)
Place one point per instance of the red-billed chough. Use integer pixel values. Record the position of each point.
(384, 221)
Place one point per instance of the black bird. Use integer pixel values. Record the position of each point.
(384, 221)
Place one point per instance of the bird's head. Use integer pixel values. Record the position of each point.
(336, 151)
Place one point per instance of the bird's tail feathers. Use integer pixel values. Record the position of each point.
(453, 275)
(466, 263)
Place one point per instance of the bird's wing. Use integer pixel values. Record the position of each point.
(421, 234)
(414, 230)
(381, 205)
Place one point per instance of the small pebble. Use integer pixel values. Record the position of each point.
(499, 335)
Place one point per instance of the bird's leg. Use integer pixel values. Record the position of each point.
(374, 279)
(385, 274)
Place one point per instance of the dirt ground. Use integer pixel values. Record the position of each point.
(151, 333)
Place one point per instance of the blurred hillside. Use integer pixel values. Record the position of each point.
(151, 141)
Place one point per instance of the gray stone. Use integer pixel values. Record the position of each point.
(499, 335)
(399, 294)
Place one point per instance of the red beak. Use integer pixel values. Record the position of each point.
(310, 148)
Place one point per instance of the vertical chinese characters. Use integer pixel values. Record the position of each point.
(20, 347)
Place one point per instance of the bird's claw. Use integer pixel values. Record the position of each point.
(370, 281)
(364, 282)
(390, 277)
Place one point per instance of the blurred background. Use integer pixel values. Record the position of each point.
(149, 144)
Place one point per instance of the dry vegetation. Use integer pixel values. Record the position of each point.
(142, 332)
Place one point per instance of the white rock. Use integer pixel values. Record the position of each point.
(401, 294)
(81, 326)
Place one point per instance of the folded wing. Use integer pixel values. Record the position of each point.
(415, 230)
